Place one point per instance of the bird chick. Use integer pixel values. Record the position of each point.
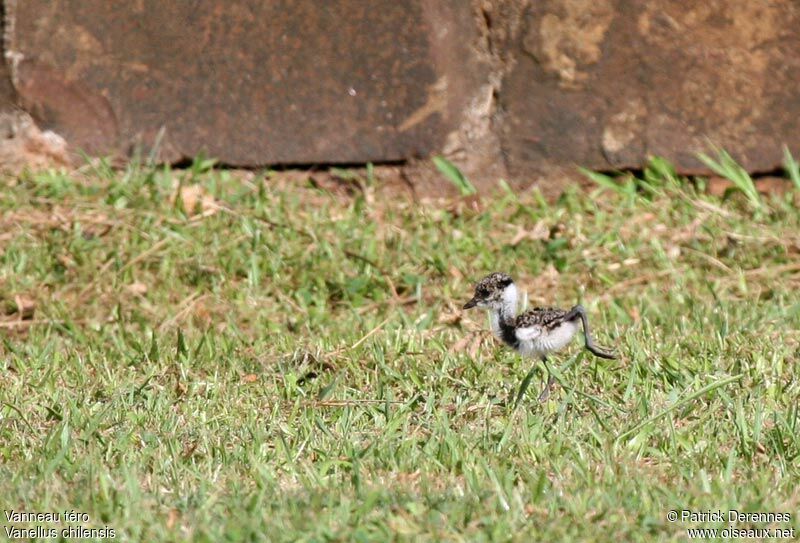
(535, 332)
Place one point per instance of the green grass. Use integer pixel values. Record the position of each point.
(454, 176)
(283, 363)
(725, 166)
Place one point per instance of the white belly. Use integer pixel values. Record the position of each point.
(549, 340)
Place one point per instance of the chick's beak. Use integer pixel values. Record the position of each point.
(470, 304)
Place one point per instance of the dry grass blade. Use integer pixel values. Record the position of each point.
(370, 333)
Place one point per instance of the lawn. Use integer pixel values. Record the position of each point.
(203, 356)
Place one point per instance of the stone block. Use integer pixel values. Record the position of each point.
(250, 82)
(607, 83)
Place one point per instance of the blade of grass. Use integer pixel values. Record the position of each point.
(455, 176)
(523, 387)
(624, 188)
(693, 396)
(791, 167)
(725, 166)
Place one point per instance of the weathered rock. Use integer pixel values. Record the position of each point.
(8, 97)
(22, 143)
(606, 83)
(249, 82)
